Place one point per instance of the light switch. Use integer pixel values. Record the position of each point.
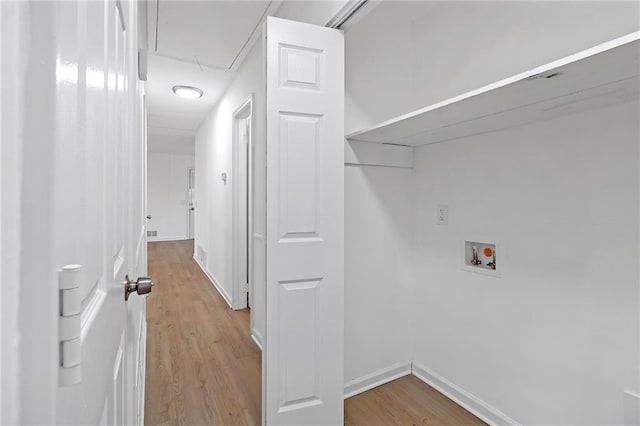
(443, 214)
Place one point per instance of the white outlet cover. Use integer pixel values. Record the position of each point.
(442, 214)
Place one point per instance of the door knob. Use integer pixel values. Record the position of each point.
(148, 216)
(141, 286)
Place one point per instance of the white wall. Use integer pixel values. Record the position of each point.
(160, 140)
(378, 204)
(378, 243)
(213, 157)
(555, 340)
(556, 343)
(167, 194)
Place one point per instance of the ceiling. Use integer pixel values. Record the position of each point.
(196, 43)
(202, 43)
(209, 33)
(170, 114)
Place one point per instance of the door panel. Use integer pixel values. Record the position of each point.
(97, 212)
(304, 352)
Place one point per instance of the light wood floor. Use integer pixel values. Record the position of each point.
(204, 369)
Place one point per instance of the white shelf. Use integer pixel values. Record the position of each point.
(604, 75)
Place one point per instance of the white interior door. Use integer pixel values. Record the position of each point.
(303, 379)
(79, 337)
(110, 182)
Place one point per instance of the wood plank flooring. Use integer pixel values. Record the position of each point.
(406, 401)
(202, 366)
(204, 369)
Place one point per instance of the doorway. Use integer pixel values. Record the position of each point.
(191, 205)
(241, 184)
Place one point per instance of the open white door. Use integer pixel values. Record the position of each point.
(82, 195)
(303, 381)
(106, 197)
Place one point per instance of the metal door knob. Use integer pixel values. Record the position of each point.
(141, 286)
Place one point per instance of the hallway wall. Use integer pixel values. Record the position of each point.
(214, 157)
(167, 194)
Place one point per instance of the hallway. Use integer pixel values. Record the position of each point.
(204, 369)
(202, 366)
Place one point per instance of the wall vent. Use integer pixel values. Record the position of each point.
(202, 256)
(152, 233)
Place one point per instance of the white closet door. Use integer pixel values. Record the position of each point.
(304, 349)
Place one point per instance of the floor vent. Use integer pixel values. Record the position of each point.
(202, 256)
(152, 233)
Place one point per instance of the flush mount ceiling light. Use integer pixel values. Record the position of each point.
(187, 92)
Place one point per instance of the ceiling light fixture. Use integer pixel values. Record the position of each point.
(188, 92)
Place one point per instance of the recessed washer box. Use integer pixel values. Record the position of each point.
(482, 256)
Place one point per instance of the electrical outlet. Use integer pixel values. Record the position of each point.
(442, 215)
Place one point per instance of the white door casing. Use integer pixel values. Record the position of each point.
(191, 182)
(14, 25)
(241, 204)
(303, 379)
(82, 198)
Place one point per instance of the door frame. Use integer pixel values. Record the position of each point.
(191, 214)
(14, 27)
(239, 218)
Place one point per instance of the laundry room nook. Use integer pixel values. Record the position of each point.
(492, 206)
(471, 229)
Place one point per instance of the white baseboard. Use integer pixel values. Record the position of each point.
(164, 239)
(375, 379)
(255, 336)
(215, 283)
(471, 403)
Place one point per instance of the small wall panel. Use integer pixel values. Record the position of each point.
(299, 202)
(301, 67)
(299, 342)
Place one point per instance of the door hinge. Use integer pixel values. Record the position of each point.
(69, 325)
